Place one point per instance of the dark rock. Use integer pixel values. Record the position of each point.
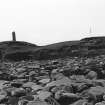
(27, 97)
(17, 85)
(68, 98)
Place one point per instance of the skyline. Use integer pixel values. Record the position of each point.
(44, 22)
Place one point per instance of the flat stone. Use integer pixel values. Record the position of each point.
(37, 103)
(37, 87)
(44, 95)
(64, 81)
(20, 69)
(44, 81)
(18, 92)
(29, 84)
(100, 103)
(71, 95)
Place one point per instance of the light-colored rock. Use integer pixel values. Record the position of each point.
(18, 91)
(33, 66)
(20, 69)
(37, 87)
(42, 95)
(91, 75)
(29, 84)
(100, 103)
(72, 95)
(37, 103)
(44, 81)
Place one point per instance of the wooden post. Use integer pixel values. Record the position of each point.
(13, 36)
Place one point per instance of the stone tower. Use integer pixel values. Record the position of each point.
(13, 36)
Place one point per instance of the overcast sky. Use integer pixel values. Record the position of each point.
(49, 21)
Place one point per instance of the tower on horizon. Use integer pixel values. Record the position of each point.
(13, 36)
(90, 31)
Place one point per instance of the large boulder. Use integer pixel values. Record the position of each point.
(91, 75)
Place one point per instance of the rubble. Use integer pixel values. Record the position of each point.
(69, 81)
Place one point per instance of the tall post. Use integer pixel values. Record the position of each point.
(90, 31)
(13, 36)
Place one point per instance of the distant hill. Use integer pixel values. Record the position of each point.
(12, 47)
(19, 50)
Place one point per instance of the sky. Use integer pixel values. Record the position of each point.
(45, 22)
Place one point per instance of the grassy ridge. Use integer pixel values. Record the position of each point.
(24, 51)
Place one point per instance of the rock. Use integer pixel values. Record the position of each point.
(79, 102)
(64, 81)
(27, 97)
(22, 75)
(4, 100)
(32, 73)
(29, 84)
(51, 101)
(98, 82)
(33, 66)
(78, 78)
(104, 97)
(18, 92)
(66, 98)
(97, 91)
(54, 89)
(67, 89)
(91, 75)
(22, 81)
(37, 87)
(3, 95)
(1, 72)
(54, 71)
(4, 76)
(54, 62)
(71, 95)
(63, 88)
(13, 100)
(22, 102)
(45, 81)
(20, 69)
(100, 103)
(3, 84)
(81, 87)
(58, 94)
(94, 94)
(35, 97)
(37, 103)
(16, 84)
(58, 76)
(42, 95)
